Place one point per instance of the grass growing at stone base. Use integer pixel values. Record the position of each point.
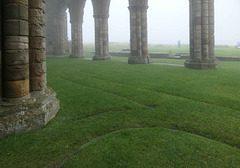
(120, 115)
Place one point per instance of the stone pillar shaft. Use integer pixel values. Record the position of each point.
(202, 35)
(101, 38)
(37, 45)
(76, 18)
(77, 40)
(16, 49)
(101, 15)
(1, 87)
(138, 32)
(61, 33)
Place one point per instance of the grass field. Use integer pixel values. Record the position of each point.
(118, 115)
(220, 50)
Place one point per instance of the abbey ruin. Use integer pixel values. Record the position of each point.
(26, 102)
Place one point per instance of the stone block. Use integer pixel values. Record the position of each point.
(37, 69)
(37, 56)
(19, 2)
(15, 11)
(16, 43)
(37, 43)
(16, 72)
(37, 4)
(36, 29)
(16, 57)
(16, 27)
(16, 89)
(37, 83)
(36, 15)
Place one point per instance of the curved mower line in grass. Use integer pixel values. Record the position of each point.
(168, 145)
(108, 136)
(147, 89)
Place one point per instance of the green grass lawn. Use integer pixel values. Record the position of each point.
(220, 50)
(118, 115)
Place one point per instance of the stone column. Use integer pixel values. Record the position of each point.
(23, 26)
(61, 33)
(76, 19)
(37, 45)
(202, 39)
(16, 50)
(101, 15)
(1, 51)
(138, 32)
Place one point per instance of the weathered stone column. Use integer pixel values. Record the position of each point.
(37, 45)
(101, 15)
(21, 111)
(61, 33)
(138, 32)
(76, 19)
(1, 79)
(16, 50)
(56, 25)
(202, 38)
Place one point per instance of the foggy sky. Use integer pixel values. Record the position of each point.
(168, 21)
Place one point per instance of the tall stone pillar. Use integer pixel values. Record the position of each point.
(23, 35)
(101, 15)
(1, 51)
(61, 33)
(76, 19)
(16, 50)
(202, 40)
(138, 32)
(37, 45)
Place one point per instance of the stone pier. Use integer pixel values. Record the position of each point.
(202, 39)
(76, 18)
(26, 103)
(101, 15)
(138, 32)
(56, 27)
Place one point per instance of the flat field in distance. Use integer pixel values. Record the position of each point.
(220, 50)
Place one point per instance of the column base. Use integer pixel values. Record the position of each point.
(28, 113)
(211, 64)
(101, 58)
(139, 60)
(77, 56)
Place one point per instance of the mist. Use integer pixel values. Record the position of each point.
(168, 22)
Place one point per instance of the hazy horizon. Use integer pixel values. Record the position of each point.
(168, 22)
